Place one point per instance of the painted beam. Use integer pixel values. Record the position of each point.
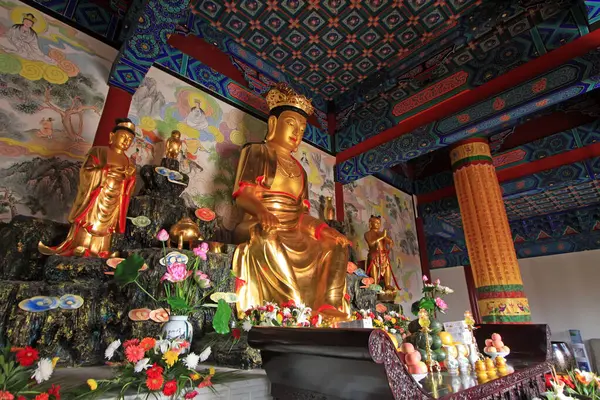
(532, 69)
(520, 171)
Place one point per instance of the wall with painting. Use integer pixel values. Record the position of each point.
(213, 133)
(52, 91)
(371, 196)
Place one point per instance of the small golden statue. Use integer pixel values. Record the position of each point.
(329, 211)
(173, 145)
(285, 253)
(106, 181)
(379, 265)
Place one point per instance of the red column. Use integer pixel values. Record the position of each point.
(116, 106)
(472, 293)
(422, 239)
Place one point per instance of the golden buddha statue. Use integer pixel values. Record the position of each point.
(173, 145)
(106, 181)
(286, 254)
(379, 265)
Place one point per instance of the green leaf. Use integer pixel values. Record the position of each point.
(177, 303)
(127, 270)
(427, 303)
(222, 317)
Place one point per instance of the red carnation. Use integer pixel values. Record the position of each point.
(155, 371)
(55, 391)
(170, 388)
(190, 395)
(27, 356)
(270, 308)
(236, 333)
(314, 320)
(290, 304)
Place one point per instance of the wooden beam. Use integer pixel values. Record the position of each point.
(519, 75)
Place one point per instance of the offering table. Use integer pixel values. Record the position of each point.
(363, 364)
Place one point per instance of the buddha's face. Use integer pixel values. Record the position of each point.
(375, 223)
(287, 130)
(121, 140)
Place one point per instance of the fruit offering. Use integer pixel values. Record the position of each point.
(436, 338)
(495, 347)
(412, 359)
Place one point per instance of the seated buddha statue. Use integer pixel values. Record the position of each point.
(285, 254)
(106, 180)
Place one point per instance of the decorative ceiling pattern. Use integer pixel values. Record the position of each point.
(487, 117)
(453, 66)
(331, 45)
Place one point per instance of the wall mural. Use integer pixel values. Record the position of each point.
(213, 133)
(52, 91)
(370, 196)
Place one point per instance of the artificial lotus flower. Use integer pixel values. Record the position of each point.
(441, 304)
(162, 235)
(202, 279)
(176, 272)
(201, 251)
(44, 370)
(110, 350)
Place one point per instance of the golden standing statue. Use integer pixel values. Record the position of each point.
(286, 254)
(379, 265)
(173, 146)
(106, 181)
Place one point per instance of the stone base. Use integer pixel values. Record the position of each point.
(159, 185)
(228, 353)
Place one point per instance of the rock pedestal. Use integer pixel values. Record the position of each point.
(156, 184)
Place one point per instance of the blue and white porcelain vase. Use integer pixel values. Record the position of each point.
(178, 327)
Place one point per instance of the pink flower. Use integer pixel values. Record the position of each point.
(425, 278)
(134, 353)
(201, 251)
(162, 235)
(202, 279)
(441, 303)
(190, 395)
(176, 272)
(387, 317)
(437, 282)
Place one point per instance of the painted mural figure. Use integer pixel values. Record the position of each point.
(197, 119)
(22, 40)
(47, 129)
(106, 181)
(379, 265)
(148, 100)
(285, 254)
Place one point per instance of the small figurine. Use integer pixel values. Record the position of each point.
(173, 146)
(379, 265)
(106, 181)
(329, 212)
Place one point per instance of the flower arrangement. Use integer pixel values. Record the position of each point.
(155, 367)
(287, 314)
(432, 300)
(23, 373)
(575, 382)
(186, 288)
(390, 321)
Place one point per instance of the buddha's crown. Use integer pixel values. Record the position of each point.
(283, 95)
(124, 124)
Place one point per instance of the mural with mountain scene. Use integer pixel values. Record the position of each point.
(213, 133)
(371, 196)
(52, 91)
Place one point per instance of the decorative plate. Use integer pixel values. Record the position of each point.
(139, 314)
(174, 257)
(70, 302)
(159, 315)
(162, 171)
(175, 175)
(205, 214)
(140, 221)
(228, 297)
(360, 272)
(39, 304)
(178, 182)
(497, 354)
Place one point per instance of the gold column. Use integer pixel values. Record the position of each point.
(491, 250)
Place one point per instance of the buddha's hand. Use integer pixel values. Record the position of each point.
(337, 237)
(267, 220)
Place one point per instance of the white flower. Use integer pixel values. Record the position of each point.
(110, 350)
(191, 361)
(247, 325)
(44, 370)
(204, 355)
(162, 345)
(142, 365)
(392, 330)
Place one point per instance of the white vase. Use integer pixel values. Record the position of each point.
(178, 327)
